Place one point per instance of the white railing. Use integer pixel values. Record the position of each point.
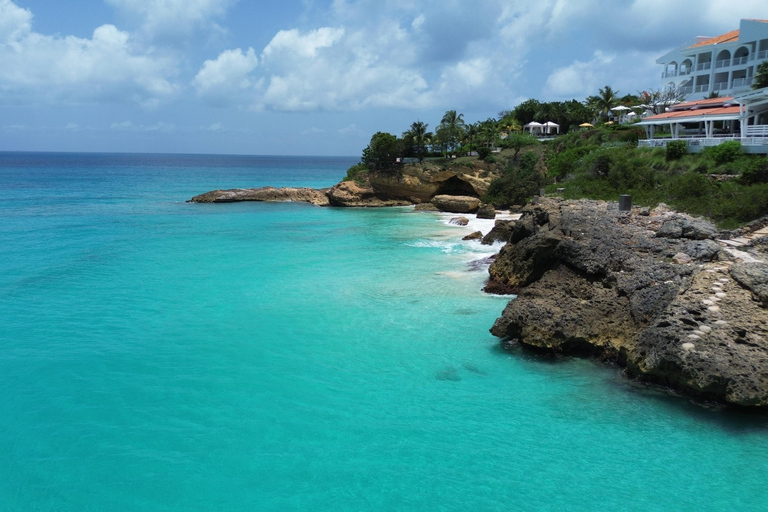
(760, 130)
(687, 89)
(722, 63)
(701, 88)
(703, 65)
(668, 74)
(685, 71)
(762, 54)
(741, 82)
(737, 61)
(719, 86)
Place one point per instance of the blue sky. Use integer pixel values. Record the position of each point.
(314, 77)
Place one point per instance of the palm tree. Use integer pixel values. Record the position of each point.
(454, 125)
(417, 138)
(470, 134)
(605, 100)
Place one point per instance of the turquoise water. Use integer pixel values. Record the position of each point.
(158, 355)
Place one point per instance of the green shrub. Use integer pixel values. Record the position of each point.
(357, 172)
(483, 152)
(676, 149)
(756, 172)
(724, 153)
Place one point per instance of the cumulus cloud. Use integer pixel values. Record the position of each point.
(227, 78)
(173, 20)
(626, 73)
(14, 22)
(37, 67)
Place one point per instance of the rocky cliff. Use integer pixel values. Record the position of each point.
(653, 291)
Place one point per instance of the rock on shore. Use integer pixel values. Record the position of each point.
(656, 293)
(269, 194)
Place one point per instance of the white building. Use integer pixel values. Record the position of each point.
(725, 64)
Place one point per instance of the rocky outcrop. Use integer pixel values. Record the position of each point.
(456, 204)
(400, 186)
(486, 211)
(654, 293)
(349, 193)
(270, 194)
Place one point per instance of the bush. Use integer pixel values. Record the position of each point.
(518, 183)
(357, 172)
(724, 153)
(483, 152)
(676, 149)
(756, 172)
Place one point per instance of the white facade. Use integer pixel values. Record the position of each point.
(725, 64)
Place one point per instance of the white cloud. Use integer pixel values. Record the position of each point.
(15, 22)
(223, 80)
(173, 20)
(36, 67)
(626, 73)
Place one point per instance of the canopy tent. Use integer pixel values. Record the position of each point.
(620, 107)
(549, 125)
(533, 126)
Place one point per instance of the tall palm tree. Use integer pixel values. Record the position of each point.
(454, 125)
(418, 137)
(606, 99)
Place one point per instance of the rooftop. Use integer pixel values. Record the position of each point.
(728, 37)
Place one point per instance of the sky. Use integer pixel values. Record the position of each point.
(315, 77)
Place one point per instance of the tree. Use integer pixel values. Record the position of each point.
(451, 129)
(518, 141)
(525, 112)
(761, 76)
(657, 101)
(382, 152)
(417, 138)
(605, 101)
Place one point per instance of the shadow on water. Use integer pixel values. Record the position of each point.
(732, 419)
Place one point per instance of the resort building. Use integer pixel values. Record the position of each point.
(724, 64)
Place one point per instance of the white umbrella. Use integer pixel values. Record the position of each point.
(620, 107)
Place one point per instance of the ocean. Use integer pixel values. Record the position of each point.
(159, 355)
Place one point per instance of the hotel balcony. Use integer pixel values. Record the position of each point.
(701, 88)
(741, 82)
(701, 66)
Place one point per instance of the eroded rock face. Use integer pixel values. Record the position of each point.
(653, 293)
(349, 193)
(270, 194)
(456, 204)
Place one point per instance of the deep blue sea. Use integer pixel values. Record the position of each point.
(158, 355)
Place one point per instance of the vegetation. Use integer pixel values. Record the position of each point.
(721, 183)
(761, 76)
(382, 152)
(602, 162)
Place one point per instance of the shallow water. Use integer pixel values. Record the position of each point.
(161, 355)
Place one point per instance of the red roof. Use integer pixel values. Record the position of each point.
(728, 37)
(708, 103)
(677, 114)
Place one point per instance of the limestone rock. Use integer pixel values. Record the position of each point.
(477, 235)
(459, 221)
(754, 277)
(456, 204)
(269, 194)
(349, 193)
(486, 211)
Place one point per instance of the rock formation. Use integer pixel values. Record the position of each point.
(595, 281)
(406, 185)
(270, 194)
